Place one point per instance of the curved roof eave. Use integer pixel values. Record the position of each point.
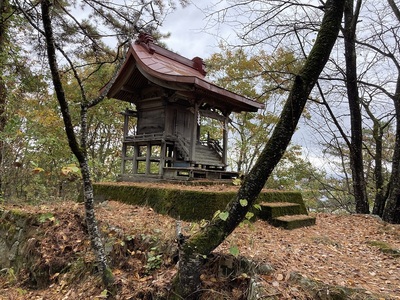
(198, 80)
(167, 69)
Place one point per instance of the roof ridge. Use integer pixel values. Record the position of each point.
(147, 41)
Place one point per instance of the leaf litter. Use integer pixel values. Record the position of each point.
(336, 251)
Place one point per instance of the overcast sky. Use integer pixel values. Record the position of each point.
(188, 37)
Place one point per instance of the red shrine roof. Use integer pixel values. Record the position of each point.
(146, 61)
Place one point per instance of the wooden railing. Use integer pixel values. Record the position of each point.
(144, 137)
(181, 143)
(183, 146)
(214, 144)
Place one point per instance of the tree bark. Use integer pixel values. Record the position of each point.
(78, 150)
(356, 145)
(380, 196)
(4, 11)
(187, 281)
(381, 188)
(391, 212)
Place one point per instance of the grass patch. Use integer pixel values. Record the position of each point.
(385, 248)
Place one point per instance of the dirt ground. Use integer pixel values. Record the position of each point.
(338, 250)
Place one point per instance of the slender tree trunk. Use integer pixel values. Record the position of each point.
(193, 251)
(78, 150)
(4, 11)
(380, 196)
(391, 212)
(380, 187)
(93, 229)
(356, 145)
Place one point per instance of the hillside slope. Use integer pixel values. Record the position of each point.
(357, 252)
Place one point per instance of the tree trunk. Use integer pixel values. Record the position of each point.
(391, 212)
(93, 229)
(380, 187)
(4, 11)
(356, 154)
(201, 244)
(79, 151)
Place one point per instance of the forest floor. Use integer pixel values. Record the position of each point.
(340, 250)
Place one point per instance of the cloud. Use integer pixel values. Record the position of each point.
(189, 37)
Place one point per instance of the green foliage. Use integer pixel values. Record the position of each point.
(265, 78)
(223, 215)
(249, 215)
(234, 250)
(10, 276)
(35, 142)
(262, 77)
(103, 294)
(257, 206)
(237, 181)
(71, 172)
(46, 217)
(34, 131)
(104, 121)
(154, 259)
(243, 202)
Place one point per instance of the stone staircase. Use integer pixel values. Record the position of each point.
(287, 215)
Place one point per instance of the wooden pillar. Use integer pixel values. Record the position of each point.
(225, 142)
(133, 167)
(123, 162)
(126, 122)
(148, 155)
(135, 156)
(124, 147)
(163, 154)
(193, 138)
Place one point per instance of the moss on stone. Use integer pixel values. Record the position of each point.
(319, 290)
(15, 229)
(278, 196)
(272, 210)
(385, 248)
(293, 222)
(190, 205)
(109, 281)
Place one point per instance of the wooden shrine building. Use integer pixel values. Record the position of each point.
(170, 95)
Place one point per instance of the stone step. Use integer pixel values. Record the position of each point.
(293, 221)
(270, 210)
